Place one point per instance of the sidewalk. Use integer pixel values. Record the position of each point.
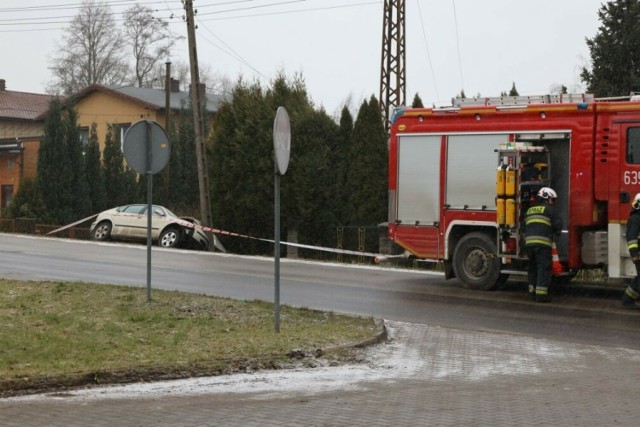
(423, 376)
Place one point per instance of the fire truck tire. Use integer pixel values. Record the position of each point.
(475, 262)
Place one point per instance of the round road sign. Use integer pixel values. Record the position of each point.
(146, 147)
(282, 139)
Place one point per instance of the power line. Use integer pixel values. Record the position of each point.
(424, 35)
(164, 12)
(229, 50)
(62, 19)
(287, 12)
(65, 19)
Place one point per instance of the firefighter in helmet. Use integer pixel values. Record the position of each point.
(541, 225)
(632, 293)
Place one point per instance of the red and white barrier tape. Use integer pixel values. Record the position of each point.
(188, 224)
(298, 245)
(57, 230)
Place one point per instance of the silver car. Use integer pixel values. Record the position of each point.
(167, 229)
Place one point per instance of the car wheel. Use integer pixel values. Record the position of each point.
(102, 231)
(170, 238)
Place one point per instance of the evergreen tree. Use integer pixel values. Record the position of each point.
(55, 174)
(614, 49)
(242, 161)
(308, 188)
(241, 168)
(341, 164)
(293, 96)
(28, 201)
(368, 160)
(417, 102)
(513, 91)
(183, 183)
(94, 172)
(81, 201)
(113, 162)
(135, 186)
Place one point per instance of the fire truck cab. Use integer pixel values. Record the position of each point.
(461, 178)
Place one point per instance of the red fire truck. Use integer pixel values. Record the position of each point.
(461, 178)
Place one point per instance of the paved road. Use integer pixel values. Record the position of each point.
(466, 358)
(424, 375)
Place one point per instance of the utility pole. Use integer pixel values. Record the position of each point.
(393, 92)
(198, 123)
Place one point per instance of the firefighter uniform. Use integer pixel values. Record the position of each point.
(632, 293)
(541, 225)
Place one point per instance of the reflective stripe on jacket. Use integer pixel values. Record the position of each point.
(633, 229)
(540, 225)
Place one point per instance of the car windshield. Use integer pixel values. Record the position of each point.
(169, 213)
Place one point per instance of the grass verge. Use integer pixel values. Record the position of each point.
(55, 336)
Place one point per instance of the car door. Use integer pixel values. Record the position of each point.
(158, 221)
(132, 221)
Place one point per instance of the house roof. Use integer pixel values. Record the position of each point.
(150, 98)
(23, 105)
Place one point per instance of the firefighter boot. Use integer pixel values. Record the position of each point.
(532, 292)
(630, 298)
(542, 295)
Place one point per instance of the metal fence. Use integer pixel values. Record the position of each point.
(30, 226)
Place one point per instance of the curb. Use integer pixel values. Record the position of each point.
(381, 335)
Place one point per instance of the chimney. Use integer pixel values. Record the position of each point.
(3, 85)
(202, 89)
(175, 85)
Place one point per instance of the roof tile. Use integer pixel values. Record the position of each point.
(23, 105)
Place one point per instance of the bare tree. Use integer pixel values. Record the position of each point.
(92, 51)
(214, 82)
(150, 40)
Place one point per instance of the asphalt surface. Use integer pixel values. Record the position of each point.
(422, 375)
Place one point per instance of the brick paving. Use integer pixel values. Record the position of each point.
(425, 375)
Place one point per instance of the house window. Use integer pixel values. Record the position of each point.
(84, 138)
(10, 164)
(7, 195)
(119, 130)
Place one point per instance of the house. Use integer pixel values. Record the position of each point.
(22, 117)
(124, 106)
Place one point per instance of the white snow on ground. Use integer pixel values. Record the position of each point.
(413, 351)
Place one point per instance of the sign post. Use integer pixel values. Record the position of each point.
(147, 149)
(282, 150)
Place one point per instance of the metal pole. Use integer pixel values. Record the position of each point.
(276, 250)
(167, 123)
(149, 209)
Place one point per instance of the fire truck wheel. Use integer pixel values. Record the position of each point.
(475, 263)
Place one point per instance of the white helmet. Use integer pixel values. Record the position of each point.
(635, 203)
(547, 193)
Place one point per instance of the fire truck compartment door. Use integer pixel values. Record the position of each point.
(471, 164)
(418, 190)
(622, 192)
(630, 167)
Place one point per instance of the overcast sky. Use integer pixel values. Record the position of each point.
(481, 46)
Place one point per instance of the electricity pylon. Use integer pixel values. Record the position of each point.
(393, 92)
